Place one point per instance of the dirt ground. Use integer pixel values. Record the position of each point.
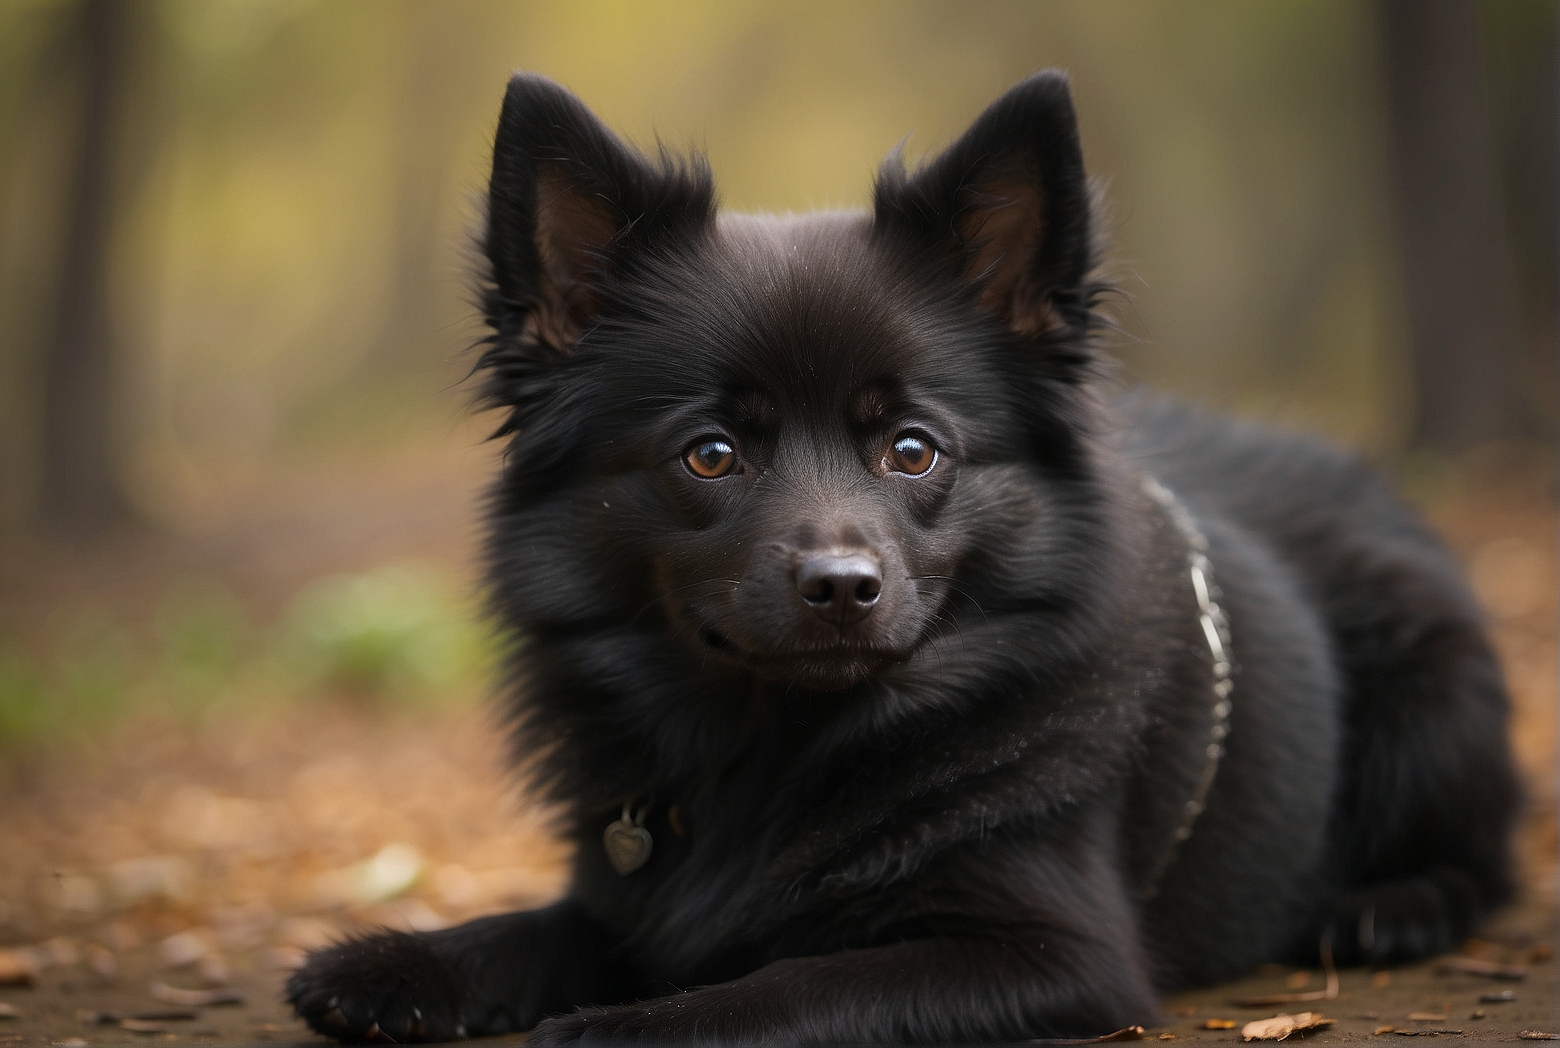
(164, 859)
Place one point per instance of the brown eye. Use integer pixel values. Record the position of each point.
(710, 458)
(911, 454)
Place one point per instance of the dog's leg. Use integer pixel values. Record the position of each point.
(1424, 825)
(946, 990)
(489, 976)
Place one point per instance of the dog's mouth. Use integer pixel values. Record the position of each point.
(818, 668)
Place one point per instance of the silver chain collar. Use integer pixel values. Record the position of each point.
(1216, 630)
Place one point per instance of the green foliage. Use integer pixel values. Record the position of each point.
(395, 636)
(396, 632)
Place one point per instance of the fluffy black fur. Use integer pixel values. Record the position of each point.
(933, 812)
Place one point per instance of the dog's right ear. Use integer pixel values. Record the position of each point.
(1007, 208)
(567, 204)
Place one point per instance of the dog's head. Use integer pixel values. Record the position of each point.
(797, 447)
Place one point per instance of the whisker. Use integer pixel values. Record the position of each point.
(958, 587)
(733, 583)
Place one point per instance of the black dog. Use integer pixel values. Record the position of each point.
(883, 665)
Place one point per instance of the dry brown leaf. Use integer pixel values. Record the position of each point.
(102, 961)
(184, 949)
(1282, 1026)
(1220, 1024)
(18, 968)
(1484, 950)
(1538, 1035)
(213, 968)
(142, 1026)
(1378, 1031)
(1427, 1017)
(195, 998)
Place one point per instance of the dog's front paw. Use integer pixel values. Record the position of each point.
(595, 1025)
(385, 987)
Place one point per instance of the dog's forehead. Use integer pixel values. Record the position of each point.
(804, 307)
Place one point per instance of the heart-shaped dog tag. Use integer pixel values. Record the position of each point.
(628, 846)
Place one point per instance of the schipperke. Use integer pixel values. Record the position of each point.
(898, 682)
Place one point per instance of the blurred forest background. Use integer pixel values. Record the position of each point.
(237, 475)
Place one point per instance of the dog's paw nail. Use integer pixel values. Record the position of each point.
(334, 1016)
(418, 1027)
(460, 1031)
(374, 1033)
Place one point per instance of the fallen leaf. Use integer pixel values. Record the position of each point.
(1479, 966)
(214, 970)
(1427, 1017)
(1538, 1035)
(18, 968)
(196, 998)
(121, 936)
(102, 961)
(58, 951)
(1220, 1024)
(142, 1026)
(1167, 1037)
(1378, 1031)
(1280, 1027)
(184, 949)
(1482, 949)
(151, 877)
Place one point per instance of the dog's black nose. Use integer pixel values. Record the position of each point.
(841, 589)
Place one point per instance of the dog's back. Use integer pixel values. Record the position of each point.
(1422, 813)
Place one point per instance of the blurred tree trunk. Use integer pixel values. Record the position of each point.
(1466, 349)
(432, 72)
(81, 492)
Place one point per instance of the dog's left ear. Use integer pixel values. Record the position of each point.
(569, 205)
(1007, 207)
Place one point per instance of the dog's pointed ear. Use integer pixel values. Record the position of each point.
(568, 201)
(1007, 207)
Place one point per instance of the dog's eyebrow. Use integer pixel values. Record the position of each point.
(756, 408)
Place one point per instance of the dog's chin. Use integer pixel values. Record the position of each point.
(829, 669)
